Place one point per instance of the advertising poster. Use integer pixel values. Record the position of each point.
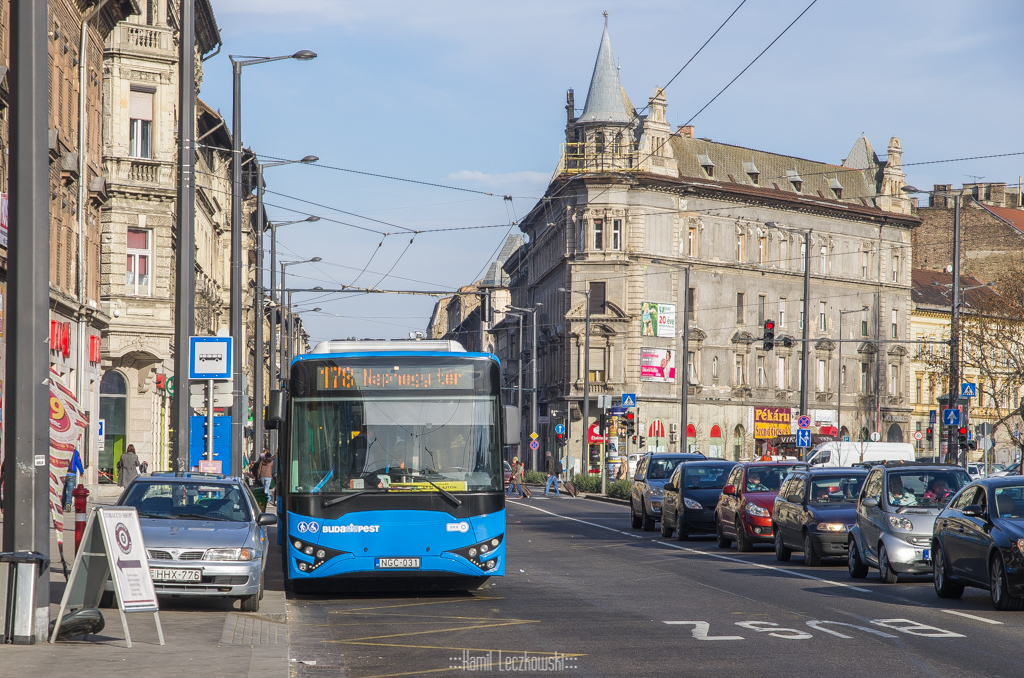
(122, 535)
(658, 320)
(657, 364)
(67, 426)
(771, 421)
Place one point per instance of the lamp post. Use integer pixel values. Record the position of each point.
(238, 401)
(839, 381)
(954, 317)
(533, 362)
(586, 388)
(275, 294)
(288, 315)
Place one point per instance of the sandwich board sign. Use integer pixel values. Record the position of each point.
(111, 548)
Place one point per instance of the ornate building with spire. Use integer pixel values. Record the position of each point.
(632, 204)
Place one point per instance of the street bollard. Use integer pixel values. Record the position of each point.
(80, 494)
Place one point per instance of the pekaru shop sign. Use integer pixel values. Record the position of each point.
(771, 421)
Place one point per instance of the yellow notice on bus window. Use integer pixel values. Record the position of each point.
(446, 485)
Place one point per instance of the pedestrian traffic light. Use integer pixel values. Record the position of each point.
(769, 335)
(630, 423)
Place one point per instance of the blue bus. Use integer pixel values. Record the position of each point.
(390, 466)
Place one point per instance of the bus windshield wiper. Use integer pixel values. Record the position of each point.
(448, 495)
(337, 500)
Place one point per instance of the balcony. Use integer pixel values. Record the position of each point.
(140, 172)
(142, 39)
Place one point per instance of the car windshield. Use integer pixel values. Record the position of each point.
(1010, 502)
(706, 477)
(661, 469)
(183, 500)
(835, 489)
(768, 478)
(925, 488)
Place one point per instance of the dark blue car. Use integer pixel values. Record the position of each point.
(691, 495)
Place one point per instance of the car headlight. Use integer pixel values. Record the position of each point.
(656, 491)
(229, 554)
(755, 510)
(831, 527)
(901, 523)
(691, 504)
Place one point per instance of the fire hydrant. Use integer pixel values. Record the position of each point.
(80, 494)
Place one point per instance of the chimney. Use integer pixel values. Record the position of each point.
(570, 106)
(685, 131)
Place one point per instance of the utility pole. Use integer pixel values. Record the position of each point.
(952, 447)
(185, 263)
(237, 330)
(257, 363)
(684, 396)
(27, 429)
(586, 398)
(807, 324)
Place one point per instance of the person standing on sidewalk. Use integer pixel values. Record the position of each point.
(552, 468)
(265, 472)
(127, 467)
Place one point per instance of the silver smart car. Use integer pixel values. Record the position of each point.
(204, 534)
(896, 511)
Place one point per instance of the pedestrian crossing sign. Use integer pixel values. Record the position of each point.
(629, 400)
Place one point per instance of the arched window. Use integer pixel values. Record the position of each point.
(895, 434)
(114, 413)
(715, 446)
(738, 435)
(691, 438)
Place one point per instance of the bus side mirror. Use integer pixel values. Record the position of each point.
(276, 408)
(512, 423)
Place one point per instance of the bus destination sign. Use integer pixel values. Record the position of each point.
(378, 377)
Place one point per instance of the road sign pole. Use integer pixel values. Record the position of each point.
(209, 419)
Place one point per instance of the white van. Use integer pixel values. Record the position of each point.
(848, 454)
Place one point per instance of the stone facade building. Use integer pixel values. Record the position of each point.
(632, 203)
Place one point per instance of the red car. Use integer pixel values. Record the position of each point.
(744, 511)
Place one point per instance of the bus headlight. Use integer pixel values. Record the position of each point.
(319, 554)
(477, 552)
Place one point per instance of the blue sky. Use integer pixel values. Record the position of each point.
(472, 95)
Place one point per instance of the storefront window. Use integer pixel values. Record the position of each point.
(114, 413)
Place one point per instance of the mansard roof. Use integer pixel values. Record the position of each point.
(605, 100)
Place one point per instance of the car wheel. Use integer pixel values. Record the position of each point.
(262, 578)
(885, 570)
(250, 603)
(723, 541)
(944, 588)
(646, 521)
(634, 519)
(998, 590)
(666, 529)
(858, 568)
(782, 552)
(811, 556)
(743, 543)
(681, 534)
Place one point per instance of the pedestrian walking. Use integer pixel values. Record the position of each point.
(265, 471)
(127, 467)
(551, 466)
(516, 481)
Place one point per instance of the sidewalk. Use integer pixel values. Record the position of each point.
(201, 636)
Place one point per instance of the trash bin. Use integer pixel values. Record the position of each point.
(24, 569)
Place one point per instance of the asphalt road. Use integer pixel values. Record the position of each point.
(587, 595)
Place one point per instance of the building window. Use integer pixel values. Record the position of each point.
(800, 326)
(598, 234)
(864, 265)
(823, 260)
(894, 379)
(895, 324)
(760, 309)
(741, 241)
(140, 114)
(784, 254)
(762, 251)
(918, 391)
(597, 298)
(782, 311)
(895, 269)
(762, 374)
(691, 242)
(691, 363)
(739, 308)
(137, 272)
(714, 367)
(599, 142)
(865, 378)
(691, 303)
(822, 376)
(617, 234)
(597, 365)
(803, 256)
(863, 323)
(783, 377)
(822, 321)
(741, 373)
(842, 377)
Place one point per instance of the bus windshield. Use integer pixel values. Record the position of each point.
(395, 443)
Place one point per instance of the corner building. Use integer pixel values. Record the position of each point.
(633, 202)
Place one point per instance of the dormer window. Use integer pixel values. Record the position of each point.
(705, 161)
(599, 142)
(751, 169)
(795, 179)
(836, 187)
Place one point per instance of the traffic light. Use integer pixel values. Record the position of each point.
(630, 423)
(769, 335)
(928, 433)
(559, 439)
(643, 441)
(961, 439)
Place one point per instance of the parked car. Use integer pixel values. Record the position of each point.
(976, 471)
(204, 534)
(691, 495)
(744, 509)
(648, 486)
(895, 514)
(977, 540)
(814, 511)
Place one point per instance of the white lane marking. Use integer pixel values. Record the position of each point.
(701, 628)
(916, 628)
(972, 616)
(701, 553)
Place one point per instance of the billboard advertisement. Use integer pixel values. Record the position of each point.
(657, 364)
(771, 421)
(657, 320)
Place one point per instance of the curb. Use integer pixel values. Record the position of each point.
(607, 500)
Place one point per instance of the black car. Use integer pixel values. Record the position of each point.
(648, 486)
(814, 511)
(978, 540)
(691, 494)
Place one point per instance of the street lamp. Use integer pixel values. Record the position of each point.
(258, 387)
(288, 316)
(954, 318)
(237, 407)
(684, 395)
(839, 382)
(533, 361)
(586, 389)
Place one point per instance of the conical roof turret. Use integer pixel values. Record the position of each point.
(605, 102)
